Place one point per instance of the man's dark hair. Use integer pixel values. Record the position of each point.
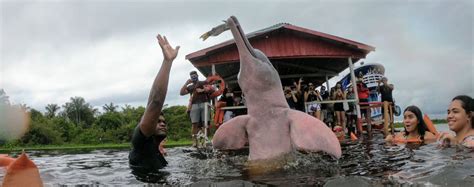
(192, 72)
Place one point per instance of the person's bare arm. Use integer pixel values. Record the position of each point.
(298, 87)
(391, 86)
(158, 91)
(446, 139)
(184, 89)
(294, 97)
(389, 138)
(429, 137)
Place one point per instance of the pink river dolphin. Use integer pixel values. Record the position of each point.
(271, 128)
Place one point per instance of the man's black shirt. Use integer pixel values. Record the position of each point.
(145, 155)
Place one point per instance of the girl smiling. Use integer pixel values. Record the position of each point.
(416, 130)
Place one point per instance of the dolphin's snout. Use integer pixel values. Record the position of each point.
(241, 40)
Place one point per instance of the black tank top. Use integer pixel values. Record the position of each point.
(386, 93)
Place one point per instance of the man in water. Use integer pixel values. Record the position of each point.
(145, 156)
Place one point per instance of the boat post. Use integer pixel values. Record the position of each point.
(327, 82)
(354, 86)
(206, 108)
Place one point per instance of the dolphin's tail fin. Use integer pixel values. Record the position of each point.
(310, 134)
(22, 172)
(232, 134)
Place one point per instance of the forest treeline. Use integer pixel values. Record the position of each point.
(77, 122)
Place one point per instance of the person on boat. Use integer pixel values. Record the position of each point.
(299, 94)
(416, 130)
(363, 93)
(461, 121)
(330, 109)
(339, 107)
(351, 113)
(291, 97)
(199, 98)
(310, 95)
(324, 107)
(151, 130)
(385, 89)
(224, 100)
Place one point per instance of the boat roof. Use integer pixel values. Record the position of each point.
(294, 52)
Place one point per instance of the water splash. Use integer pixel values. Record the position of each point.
(14, 122)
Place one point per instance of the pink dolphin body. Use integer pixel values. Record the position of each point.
(20, 171)
(271, 128)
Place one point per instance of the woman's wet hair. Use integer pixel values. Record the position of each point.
(421, 126)
(467, 103)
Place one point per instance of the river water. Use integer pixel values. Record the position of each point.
(364, 163)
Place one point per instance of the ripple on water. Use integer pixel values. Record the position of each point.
(363, 162)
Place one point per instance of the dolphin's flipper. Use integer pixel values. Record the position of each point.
(5, 160)
(22, 172)
(311, 134)
(232, 134)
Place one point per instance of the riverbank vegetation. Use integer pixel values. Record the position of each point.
(435, 121)
(77, 124)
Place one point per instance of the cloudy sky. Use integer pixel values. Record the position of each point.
(106, 51)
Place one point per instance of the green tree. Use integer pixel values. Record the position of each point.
(178, 122)
(51, 110)
(41, 133)
(24, 107)
(132, 114)
(36, 115)
(79, 111)
(91, 135)
(110, 120)
(110, 107)
(65, 127)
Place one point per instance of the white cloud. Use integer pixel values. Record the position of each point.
(106, 52)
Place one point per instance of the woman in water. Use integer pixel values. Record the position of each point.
(416, 130)
(461, 121)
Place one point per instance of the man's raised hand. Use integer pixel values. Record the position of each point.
(169, 54)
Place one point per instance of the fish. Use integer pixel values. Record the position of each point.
(216, 31)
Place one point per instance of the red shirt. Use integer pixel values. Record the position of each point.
(362, 91)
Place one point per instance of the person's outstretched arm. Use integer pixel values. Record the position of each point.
(158, 91)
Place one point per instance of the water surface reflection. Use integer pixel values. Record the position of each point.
(365, 162)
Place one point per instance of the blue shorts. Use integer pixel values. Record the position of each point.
(197, 113)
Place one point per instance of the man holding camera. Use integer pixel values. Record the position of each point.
(291, 97)
(310, 95)
(199, 98)
(385, 91)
